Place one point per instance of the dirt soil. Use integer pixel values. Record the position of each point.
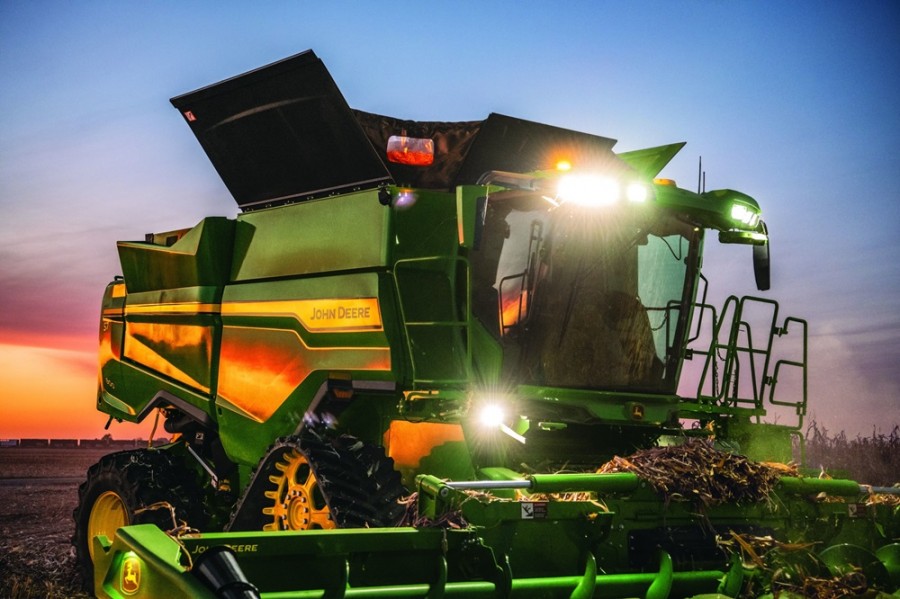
(38, 491)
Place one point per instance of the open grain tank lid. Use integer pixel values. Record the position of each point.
(283, 133)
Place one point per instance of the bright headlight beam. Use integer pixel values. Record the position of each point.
(588, 190)
(744, 215)
(636, 193)
(491, 416)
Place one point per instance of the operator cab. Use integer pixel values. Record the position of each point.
(582, 295)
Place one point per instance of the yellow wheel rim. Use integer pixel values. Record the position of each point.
(107, 514)
(298, 503)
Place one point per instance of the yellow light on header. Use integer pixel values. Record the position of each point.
(563, 165)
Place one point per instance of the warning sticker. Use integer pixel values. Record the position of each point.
(534, 510)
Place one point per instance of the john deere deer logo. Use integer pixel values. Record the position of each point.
(131, 575)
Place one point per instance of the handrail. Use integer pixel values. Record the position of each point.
(725, 359)
(462, 323)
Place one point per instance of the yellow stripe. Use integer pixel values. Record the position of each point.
(174, 308)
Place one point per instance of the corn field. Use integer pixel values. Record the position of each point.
(873, 460)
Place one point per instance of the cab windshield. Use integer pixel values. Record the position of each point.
(585, 297)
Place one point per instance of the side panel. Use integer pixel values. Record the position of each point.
(282, 340)
(160, 327)
(174, 333)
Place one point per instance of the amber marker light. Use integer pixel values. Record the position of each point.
(412, 151)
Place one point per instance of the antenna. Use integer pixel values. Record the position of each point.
(701, 177)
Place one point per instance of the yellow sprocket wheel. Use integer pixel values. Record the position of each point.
(296, 502)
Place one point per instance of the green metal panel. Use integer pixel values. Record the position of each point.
(202, 257)
(341, 233)
(132, 398)
(281, 340)
(384, 563)
(432, 289)
(176, 333)
(650, 161)
(143, 562)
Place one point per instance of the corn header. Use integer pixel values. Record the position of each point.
(437, 359)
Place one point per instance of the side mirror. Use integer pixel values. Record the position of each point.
(759, 239)
(761, 266)
(761, 261)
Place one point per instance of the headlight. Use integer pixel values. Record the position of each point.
(637, 193)
(595, 191)
(588, 190)
(493, 417)
(744, 215)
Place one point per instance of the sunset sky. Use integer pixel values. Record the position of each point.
(794, 103)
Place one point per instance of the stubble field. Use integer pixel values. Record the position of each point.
(38, 491)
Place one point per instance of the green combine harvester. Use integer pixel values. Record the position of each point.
(442, 359)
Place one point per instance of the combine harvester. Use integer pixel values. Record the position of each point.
(436, 359)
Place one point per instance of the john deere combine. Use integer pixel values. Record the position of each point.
(443, 359)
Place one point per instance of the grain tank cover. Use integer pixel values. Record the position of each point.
(282, 133)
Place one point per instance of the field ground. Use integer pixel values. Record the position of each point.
(38, 491)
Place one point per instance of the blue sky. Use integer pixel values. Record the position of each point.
(794, 103)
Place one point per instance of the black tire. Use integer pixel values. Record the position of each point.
(122, 483)
(384, 487)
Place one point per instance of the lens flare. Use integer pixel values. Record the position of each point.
(592, 191)
(491, 416)
(636, 193)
